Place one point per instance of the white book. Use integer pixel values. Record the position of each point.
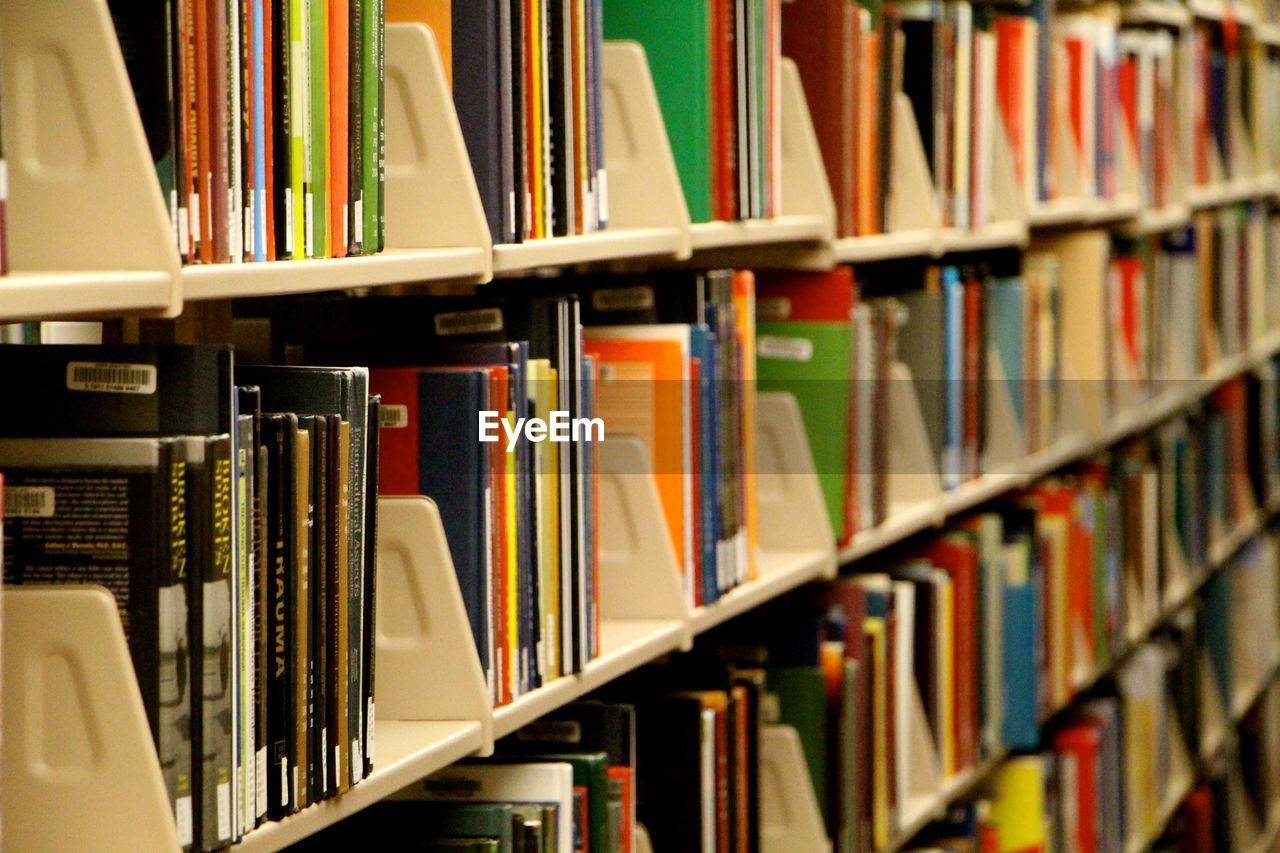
(961, 142)
(536, 783)
(904, 688)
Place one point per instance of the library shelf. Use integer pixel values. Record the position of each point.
(780, 572)
(626, 645)
(1231, 191)
(33, 295)
(934, 511)
(930, 808)
(607, 245)
(796, 228)
(1267, 33)
(1084, 210)
(913, 243)
(1156, 13)
(1156, 220)
(1011, 233)
(1222, 10)
(406, 752)
(392, 266)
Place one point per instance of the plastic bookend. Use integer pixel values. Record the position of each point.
(790, 818)
(1005, 440)
(913, 470)
(642, 842)
(805, 188)
(913, 204)
(1242, 154)
(1009, 200)
(427, 664)
(923, 765)
(644, 187)
(793, 515)
(1213, 712)
(639, 574)
(82, 186)
(432, 200)
(80, 765)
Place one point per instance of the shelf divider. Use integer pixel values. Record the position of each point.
(913, 471)
(79, 761)
(790, 817)
(427, 664)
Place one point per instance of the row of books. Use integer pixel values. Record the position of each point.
(527, 83)
(1114, 766)
(265, 120)
(990, 627)
(231, 513)
(717, 70)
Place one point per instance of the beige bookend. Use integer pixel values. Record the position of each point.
(912, 229)
(797, 544)
(790, 817)
(435, 225)
(86, 226)
(642, 842)
(1005, 440)
(80, 766)
(644, 203)
(806, 211)
(643, 611)
(913, 471)
(427, 664)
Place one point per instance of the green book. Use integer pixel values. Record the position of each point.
(317, 197)
(463, 845)
(813, 361)
(676, 36)
(454, 822)
(299, 124)
(590, 781)
(802, 704)
(371, 32)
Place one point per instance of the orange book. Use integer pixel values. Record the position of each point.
(644, 391)
(868, 189)
(579, 92)
(744, 301)
(339, 136)
(437, 15)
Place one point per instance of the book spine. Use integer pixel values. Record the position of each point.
(369, 584)
(339, 139)
(371, 118)
(264, 588)
(261, 128)
(270, 94)
(355, 127)
(318, 225)
(173, 591)
(236, 127)
(277, 613)
(217, 660)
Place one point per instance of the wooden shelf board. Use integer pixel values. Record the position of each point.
(393, 266)
(996, 235)
(405, 752)
(1156, 220)
(1231, 191)
(1081, 210)
(45, 295)
(780, 229)
(625, 645)
(604, 245)
(780, 572)
(921, 242)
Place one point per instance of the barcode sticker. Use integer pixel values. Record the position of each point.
(469, 322)
(288, 219)
(182, 814)
(224, 810)
(639, 298)
(324, 757)
(284, 782)
(368, 734)
(784, 349)
(308, 204)
(193, 204)
(28, 502)
(358, 220)
(111, 378)
(394, 416)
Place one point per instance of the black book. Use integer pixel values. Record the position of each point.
(559, 79)
(316, 657)
(255, 526)
(282, 119)
(61, 498)
(477, 97)
(669, 771)
(519, 121)
(368, 629)
(280, 433)
(216, 657)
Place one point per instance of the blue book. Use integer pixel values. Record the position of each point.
(259, 199)
(1006, 322)
(1021, 726)
(702, 346)
(953, 425)
(453, 470)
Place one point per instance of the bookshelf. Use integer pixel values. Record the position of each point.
(433, 704)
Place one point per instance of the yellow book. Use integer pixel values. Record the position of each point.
(946, 710)
(875, 628)
(1017, 804)
(544, 505)
(557, 558)
(537, 176)
(512, 567)
(744, 303)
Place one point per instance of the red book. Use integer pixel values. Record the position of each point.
(1082, 741)
(956, 555)
(724, 182)
(1128, 83)
(1011, 42)
(398, 435)
(1203, 95)
(219, 101)
(1078, 54)
(203, 161)
(500, 589)
(974, 341)
(339, 134)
